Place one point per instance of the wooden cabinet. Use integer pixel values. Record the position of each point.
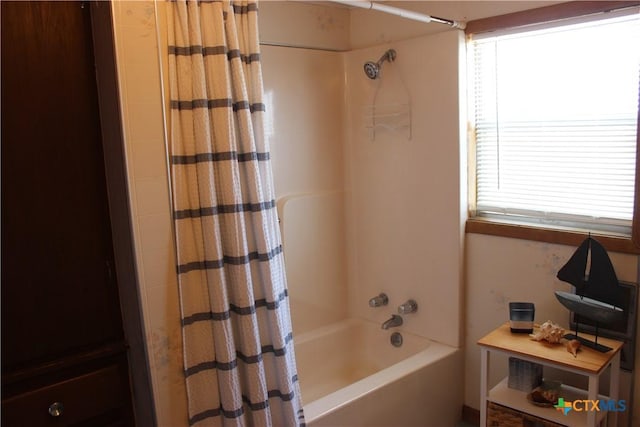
(65, 354)
(97, 397)
(589, 363)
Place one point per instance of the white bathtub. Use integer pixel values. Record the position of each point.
(351, 375)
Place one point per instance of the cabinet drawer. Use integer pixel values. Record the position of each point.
(98, 394)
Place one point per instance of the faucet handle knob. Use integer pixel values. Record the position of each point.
(411, 306)
(379, 301)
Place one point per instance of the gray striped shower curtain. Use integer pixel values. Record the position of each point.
(238, 349)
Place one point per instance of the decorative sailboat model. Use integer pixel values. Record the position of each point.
(590, 271)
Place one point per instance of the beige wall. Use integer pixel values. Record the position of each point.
(500, 270)
(371, 28)
(137, 57)
(306, 24)
(496, 269)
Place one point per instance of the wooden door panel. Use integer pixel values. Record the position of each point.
(57, 293)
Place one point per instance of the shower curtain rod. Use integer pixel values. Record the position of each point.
(416, 16)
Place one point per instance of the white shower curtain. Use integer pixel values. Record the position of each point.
(238, 349)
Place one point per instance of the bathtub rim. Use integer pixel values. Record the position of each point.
(325, 405)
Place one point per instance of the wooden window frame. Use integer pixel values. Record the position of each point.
(479, 225)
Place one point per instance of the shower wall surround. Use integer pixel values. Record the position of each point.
(400, 234)
(312, 152)
(304, 96)
(405, 216)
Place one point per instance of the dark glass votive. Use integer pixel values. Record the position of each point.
(521, 315)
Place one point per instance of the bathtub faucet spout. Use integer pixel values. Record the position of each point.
(393, 322)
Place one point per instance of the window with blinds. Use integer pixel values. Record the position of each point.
(555, 123)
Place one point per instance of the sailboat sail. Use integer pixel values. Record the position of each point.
(603, 282)
(599, 283)
(574, 271)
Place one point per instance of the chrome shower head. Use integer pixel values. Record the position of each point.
(372, 69)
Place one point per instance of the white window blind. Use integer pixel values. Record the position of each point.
(555, 123)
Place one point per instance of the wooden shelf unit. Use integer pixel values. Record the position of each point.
(589, 362)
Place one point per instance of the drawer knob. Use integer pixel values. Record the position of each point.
(56, 409)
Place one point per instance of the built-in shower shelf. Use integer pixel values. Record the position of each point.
(388, 119)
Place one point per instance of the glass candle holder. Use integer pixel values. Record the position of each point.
(521, 315)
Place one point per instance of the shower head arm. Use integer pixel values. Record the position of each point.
(389, 55)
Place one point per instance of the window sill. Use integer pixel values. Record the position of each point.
(549, 235)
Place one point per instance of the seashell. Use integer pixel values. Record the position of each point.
(573, 346)
(549, 332)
